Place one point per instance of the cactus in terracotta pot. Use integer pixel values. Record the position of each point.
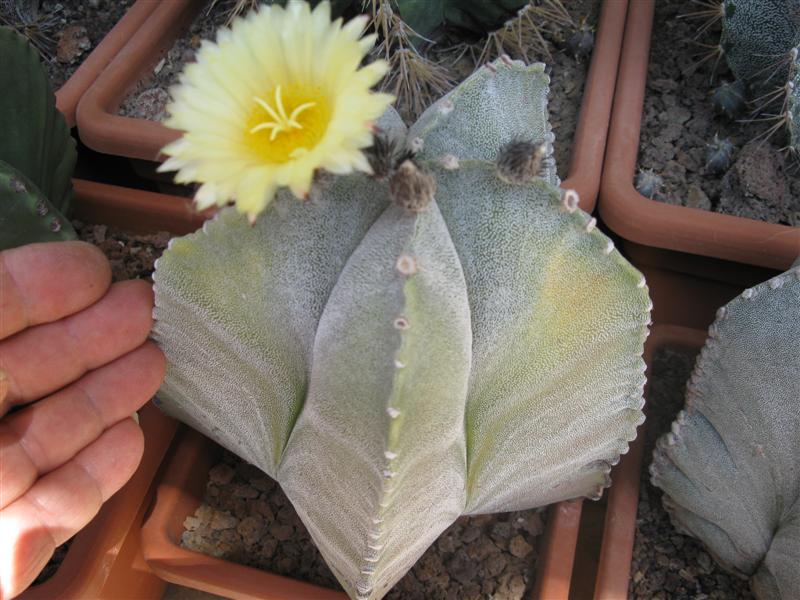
(37, 153)
(729, 467)
(400, 350)
(760, 40)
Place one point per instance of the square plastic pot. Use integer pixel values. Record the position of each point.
(650, 223)
(69, 94)
(180, 491)
(104, 130)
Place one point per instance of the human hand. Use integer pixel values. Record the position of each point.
(74, 358)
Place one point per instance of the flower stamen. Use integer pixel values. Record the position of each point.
(280, 120)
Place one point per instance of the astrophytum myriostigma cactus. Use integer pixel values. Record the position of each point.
(730, 467)
(393, 369)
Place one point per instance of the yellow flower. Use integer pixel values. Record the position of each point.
(279, 95)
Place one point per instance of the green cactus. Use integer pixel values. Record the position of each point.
(36, 149)
(729, 467)
(760, 40)
(476, 16)
(394, 369)
(757, 36)
(26, 216)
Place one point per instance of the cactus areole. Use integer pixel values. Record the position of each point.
(403, 349)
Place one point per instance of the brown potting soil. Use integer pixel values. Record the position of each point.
(150, 98)
(679, 122)
(64, 31)
(666, 564)
(246, 518)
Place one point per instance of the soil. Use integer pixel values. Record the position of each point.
(64, 31)
(568, 74)
(666, 564)
(680, 122)
(246, 518)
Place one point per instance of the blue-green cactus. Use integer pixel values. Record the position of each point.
(729, 467)
(393, 368)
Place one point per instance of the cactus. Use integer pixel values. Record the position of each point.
(648, 183)
(37, 152)
(472, 15)
(760, 41)
(398, 353)
(729, 467)
(26, 216)
(580, 43)
(719, 155)
(757, 36)
(729, 99)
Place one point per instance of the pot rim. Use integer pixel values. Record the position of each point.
(68, 95)
(103, 130)
(652, 223)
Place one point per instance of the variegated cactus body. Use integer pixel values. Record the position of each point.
(394, 369)
(730, 466)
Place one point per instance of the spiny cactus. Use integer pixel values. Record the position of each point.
(757, 36)
(760, 41)
(719, 155)
(472, 15)
(26, 216)
(37, 153)
(729, 99)
(648, 183)
(729, 467)
(394, 369)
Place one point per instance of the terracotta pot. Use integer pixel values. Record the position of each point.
(135, 210)
(102, 129)
(68, 96)
(104, 561)
(652, 223)
(614, 563)
(180, 491)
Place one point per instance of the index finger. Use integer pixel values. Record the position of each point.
(41, 283)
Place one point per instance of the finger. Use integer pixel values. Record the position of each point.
(45, 358)
(40, 283)
(63, 502)
(47, 434)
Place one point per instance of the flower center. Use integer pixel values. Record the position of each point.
(287, 125)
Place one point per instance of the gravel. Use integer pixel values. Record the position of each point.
(666, 564)
(64, 31)
(679, 123)
(246, 518)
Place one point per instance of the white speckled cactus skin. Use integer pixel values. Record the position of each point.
(394, 370)
(730, 467)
